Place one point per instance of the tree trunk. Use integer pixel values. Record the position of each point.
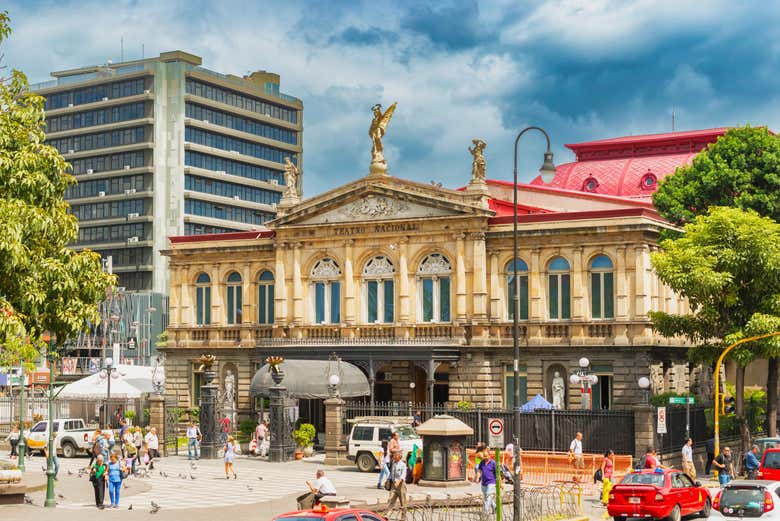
(771, 396)
(739, 389)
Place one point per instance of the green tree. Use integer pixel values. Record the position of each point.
(44, 287)
(741, 169)
(727, 264)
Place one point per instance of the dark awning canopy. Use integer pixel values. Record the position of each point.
(309, 379)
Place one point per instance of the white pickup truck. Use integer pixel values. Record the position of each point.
(71, 436)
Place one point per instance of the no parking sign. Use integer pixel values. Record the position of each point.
(496, 432)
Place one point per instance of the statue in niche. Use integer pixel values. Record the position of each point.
(230, 389)
(478, 166)
(558, 391)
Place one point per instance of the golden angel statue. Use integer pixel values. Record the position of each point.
(291, 173)
(377, 131)
(478, 165)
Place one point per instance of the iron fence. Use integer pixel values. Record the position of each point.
(540, 430)
(676, 428)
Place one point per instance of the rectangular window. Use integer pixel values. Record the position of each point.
(509, 386)
(389, 303)
(335, 302)
(609, 296)
(565, 297)
(552, 294)
(371, 300)
(427, 300)
(595, 295)
(319, 302)
(270, 304)
(239, 306)
(231, 305)
(444, 299)
(523, 297)
(261, 304)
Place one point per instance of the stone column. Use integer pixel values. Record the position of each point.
(280, 286)
(334, 412)
(209, 425)
(349, 285)
(248, 296)
(281, 442)
(460, 279)
(403, 282)
(479, 284)
(578, 278)
(297, 286)
(496, 290)
(157, 415)
(642, 282)
(644, 428)
(621, 284)
(535, 287)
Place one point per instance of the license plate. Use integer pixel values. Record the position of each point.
(634, 500)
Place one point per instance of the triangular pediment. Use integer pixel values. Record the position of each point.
(381, 200)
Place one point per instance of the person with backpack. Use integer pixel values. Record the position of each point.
(97, 476)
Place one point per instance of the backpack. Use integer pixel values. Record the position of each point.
(598, 476)
(96, 448)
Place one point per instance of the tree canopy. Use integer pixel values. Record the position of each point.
(741, 169)
(44, 286)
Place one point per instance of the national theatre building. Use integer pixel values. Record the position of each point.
(412, 283)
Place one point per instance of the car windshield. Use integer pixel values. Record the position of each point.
(406, 432)
(742, 500)
(772, 460)
(39, 427)
(643, 479)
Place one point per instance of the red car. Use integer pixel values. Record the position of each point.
(323, 513)
(769, 468)
(658, 494)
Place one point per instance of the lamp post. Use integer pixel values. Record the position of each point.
(146, 353)
(107, 373)
(586, 380)
(22, 446)
(333, 385)
(644, 384)
(50, 501)
(547, 172)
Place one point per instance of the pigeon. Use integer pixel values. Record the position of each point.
(259, 478)
(70, 473)
(130, 507)
(154, 510)
(60, 496)
(192, 477)
(249, 488)
(165, 475)
(28, 500)
(155, 505)
(43, 468)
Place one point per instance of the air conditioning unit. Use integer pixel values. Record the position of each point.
(132, 239)
(237, 198)
(90, 171)
(236, 152)
(127, 191)
(132, 190)
(105, 99)
(205, 121)
(274, 181)
(273, 205)
(132, 215)
(147, 91)
(70, 105)
(101, 194)
(127, 167)
(70, 151)
(221, 172)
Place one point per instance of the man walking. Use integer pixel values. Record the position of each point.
(398, 488)
(724, 465)
(486, 474)
(193, 438)
(687, 459)
(575, 455)
(710, 455)
(261, 435)
(751, 462)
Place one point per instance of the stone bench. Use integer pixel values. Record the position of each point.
(12, 489)
(335, 501)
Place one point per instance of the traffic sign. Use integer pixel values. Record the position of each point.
(661, 420)
(495, 432)
(681, 400)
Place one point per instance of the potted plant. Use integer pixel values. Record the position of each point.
(304, 437)
(130, 416)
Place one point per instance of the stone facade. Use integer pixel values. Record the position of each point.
(446, 254)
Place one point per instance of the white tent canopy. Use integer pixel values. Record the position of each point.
(132, 382)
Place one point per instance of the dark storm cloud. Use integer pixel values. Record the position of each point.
(452, 26)
(369, 36)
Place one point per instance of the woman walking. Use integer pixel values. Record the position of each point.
(97, 475)
(116, 472)
(230, 452)
(607, 468)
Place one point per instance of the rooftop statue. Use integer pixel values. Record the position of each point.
(478, 165)
(377, 131)
(291, 173)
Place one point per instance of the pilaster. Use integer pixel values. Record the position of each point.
(641, 281)
(280, 286)
(349, 285)
(297, 286)
(403, 281)
(479, 283)
(578, 275)
(496, 290)
(460, 279)
(535, 287)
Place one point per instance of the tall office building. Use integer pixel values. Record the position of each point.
(163, 147)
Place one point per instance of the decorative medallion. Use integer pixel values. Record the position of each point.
(435, 264)
(375, 207)
(326, 269)
(378, 267)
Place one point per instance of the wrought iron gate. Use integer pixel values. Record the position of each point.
(171, 427)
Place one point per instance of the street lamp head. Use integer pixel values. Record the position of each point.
(644, 382)
(334, 380)
(109, 361)
(593, 379)
(584, 362)
(547, 170)
(411, 385)
(574, 379)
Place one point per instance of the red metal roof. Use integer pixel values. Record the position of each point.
(577, 216)
(228, 236)
(502, 207)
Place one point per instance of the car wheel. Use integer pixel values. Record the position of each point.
(68, 450)
(619, 518)
(705, 512)
(365, 462)
(675, 515)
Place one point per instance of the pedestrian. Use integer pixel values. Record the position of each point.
(143, 458)
(575, 455)
(651, 459)
(97, 447)
(13, 439)
(607, 469)
(122, 432)
(687, 459)
(193, 440)
(55, 462)
(417, 419)
(480, 446)
(138, 437)
(486, 475)
(724, 466)
(97, 475)
(109, 433)
(710, 445)
(230, 451)
(751, 462)
(131, 453)
(153, 444)
(116, 473)
(398, 485)
(394, 445)
(384, 468)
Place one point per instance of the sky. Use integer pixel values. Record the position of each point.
(459, 70)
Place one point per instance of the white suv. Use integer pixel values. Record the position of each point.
(365, 440)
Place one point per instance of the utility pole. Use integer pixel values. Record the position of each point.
(22, 446)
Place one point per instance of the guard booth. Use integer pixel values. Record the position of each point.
(444, 451)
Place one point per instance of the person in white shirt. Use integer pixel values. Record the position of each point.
(321, 487)
(398, 489)
(153, 444)
(193, 439)
(687, 459)
(575, 452)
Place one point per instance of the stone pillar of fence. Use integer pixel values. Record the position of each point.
(335, 452)
(644, 428)
(157, 415)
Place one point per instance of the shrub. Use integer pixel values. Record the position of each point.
(247, 427)
(304, 436)
(130, 415)
(464, 406)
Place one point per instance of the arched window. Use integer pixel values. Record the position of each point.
(522, 276)
(203, 300)
(326, 291)
(602, 293)
(433, 288)
(234, 299)
(559, 289)
(378, 291)
(265, 298)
